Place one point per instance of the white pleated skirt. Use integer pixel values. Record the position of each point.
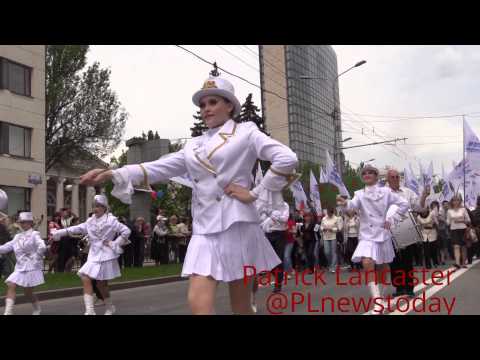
(380, 252)
(225, 256)
(105, 270)
(26, 278)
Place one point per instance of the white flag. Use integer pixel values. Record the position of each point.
(323, 176)
(429, 175)
(183, 180)
(472, 146)
(299, 195)
(334, 177)
(411, 181)
(259, 175)
(315, 193)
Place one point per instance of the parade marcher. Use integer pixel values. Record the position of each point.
(307, 233)
(448, 239)
(330, 226)
(428, 221)
(352, 224)
(402, 265)
(274, 213)
(182, 241)
(138, 238)
(375, 249)
(458, 220)
(159, 249)
(226, 232)
(102, 264)
(29, 249)
(475, 217)
(287, 256)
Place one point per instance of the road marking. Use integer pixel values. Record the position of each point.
(436, 288)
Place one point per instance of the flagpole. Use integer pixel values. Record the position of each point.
(463, 150)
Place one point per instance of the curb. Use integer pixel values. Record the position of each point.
(78, 291)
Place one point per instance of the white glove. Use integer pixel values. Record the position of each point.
(116, 245)
(58, 234)
(266, 224)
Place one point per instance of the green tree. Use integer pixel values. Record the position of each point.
(150, 135)
(250, 112)
(83, 114)
(199, 126)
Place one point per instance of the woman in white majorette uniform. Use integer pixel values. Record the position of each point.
(29, 249)
(375, 248)
(106, 237)
(226, 233)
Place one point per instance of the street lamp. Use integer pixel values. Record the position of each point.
(335, 110)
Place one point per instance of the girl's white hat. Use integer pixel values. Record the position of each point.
(101, 200)
(216, 86)
(25, 216)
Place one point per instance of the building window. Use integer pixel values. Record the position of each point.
(18, 199)
(15, 140)
(15, 77)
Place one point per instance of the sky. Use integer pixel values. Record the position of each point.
(155, 84)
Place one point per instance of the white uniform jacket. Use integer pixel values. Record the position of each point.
(99, 230)
(373, 203)
(214, 160)
(29, 249)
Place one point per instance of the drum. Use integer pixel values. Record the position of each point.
(406, 232)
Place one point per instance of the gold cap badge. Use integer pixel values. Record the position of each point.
(209, 84)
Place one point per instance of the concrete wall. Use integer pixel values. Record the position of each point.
(136, 154)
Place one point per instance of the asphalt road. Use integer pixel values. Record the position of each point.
(457, 294)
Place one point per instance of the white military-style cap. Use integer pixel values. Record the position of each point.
(101, 200)
(3, 199)
(25, 216)
(369, 168)
(216, 86)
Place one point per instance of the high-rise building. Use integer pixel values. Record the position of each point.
(300, 99)
(22, 129)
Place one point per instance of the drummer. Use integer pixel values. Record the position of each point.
(403, 262)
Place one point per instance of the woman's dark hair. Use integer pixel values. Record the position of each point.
(330, 211)
(435, 203)
(425, 212)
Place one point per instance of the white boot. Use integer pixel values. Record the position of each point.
(37, 310)
(9, 303)
(376, 293)
(110, 307)
(89, 309)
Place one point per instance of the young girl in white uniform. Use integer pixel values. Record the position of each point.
(375, 249)
(106, 237)
(29, 250)
(226, 232)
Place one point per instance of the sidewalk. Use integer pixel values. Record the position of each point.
(78, 291)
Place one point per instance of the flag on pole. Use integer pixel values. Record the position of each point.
(429, 175)
(471, 146)
(334, 177)
(299, 195)
(323, 176)
(183, 180)
(259, 175)
(315, 193)
(411, 181)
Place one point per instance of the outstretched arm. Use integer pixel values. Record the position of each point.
(7, 247)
